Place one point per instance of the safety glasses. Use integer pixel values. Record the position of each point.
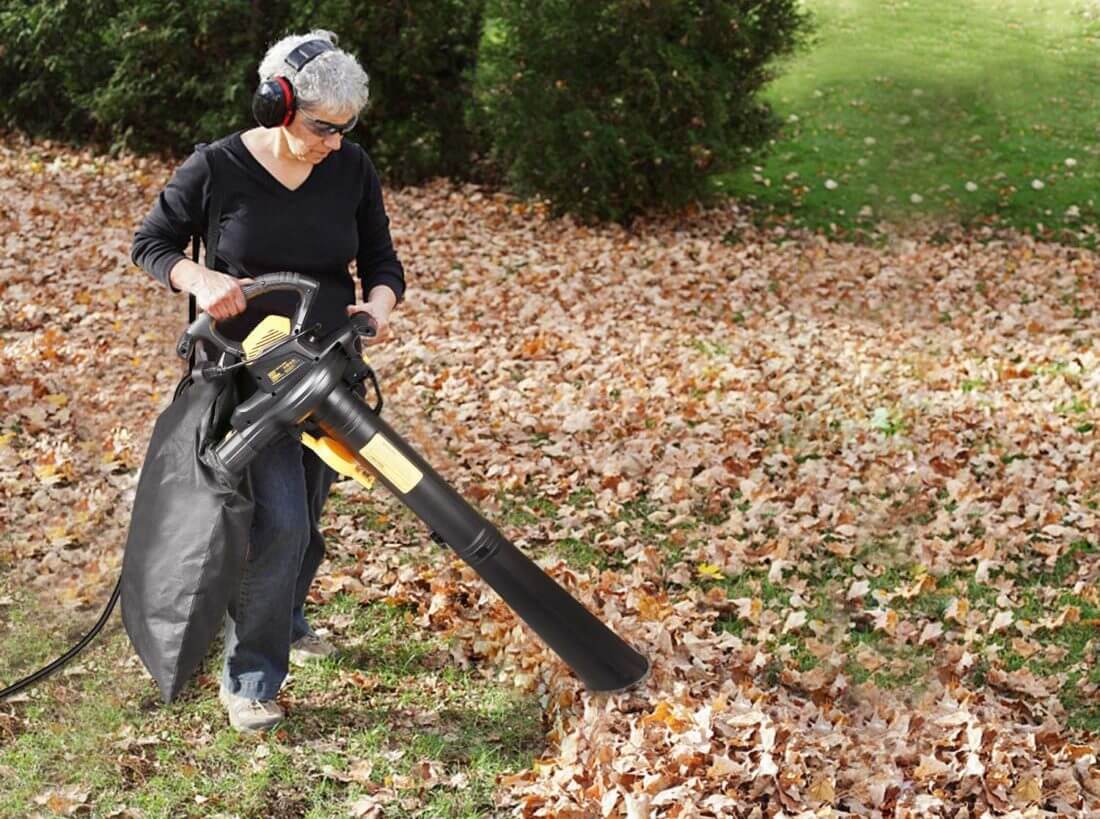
(324, 129)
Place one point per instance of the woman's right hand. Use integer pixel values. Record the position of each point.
(219, 294)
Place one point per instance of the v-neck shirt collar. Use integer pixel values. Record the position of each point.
(259, 168)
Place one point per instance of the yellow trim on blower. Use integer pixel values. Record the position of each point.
(270, 331)
(394, 466)
(337, 456)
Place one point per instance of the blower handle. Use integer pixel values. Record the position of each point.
(205, 327)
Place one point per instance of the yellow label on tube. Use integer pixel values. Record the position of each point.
(392, 465)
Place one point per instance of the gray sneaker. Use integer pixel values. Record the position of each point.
(310, 647)
(250, 715)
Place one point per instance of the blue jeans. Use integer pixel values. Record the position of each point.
(289, 488)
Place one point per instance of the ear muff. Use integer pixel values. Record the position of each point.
(275, 102)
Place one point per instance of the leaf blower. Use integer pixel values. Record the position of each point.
(310, 388)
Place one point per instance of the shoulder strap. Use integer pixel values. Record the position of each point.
(213, 218)
(213, 228)
(192, 306)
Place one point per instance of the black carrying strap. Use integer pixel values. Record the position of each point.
(192, 305)
(213, 231)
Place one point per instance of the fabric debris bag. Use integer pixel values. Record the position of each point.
(188, 537)
(189, 528)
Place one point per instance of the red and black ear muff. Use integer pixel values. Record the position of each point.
(274, 102)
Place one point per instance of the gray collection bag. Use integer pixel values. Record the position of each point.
(188, 537)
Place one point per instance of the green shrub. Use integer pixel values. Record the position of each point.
(145, 75)
(163, 75)
(53, 56)
(420, 55)
(182, 73)
(616, 107)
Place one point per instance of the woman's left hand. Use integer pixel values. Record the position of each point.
(379, 314)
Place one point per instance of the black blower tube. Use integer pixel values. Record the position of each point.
(602, 661)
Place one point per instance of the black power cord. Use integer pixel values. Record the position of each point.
(42, 673)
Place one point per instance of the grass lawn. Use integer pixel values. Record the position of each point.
(390, 715)
(981, 111)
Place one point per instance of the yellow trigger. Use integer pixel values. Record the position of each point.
(337, 456)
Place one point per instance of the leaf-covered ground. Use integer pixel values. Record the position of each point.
(845, 498)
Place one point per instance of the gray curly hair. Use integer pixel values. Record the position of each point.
(333, 80)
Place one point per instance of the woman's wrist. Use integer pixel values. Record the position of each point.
(382, 295)
(184, 275)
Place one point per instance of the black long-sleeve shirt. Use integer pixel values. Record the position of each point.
(335, 216)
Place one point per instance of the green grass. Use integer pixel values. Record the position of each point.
(974, 111)
(519, 511)
(906, 667)
(414, 707)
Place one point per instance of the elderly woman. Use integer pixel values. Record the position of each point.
(295, 196)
